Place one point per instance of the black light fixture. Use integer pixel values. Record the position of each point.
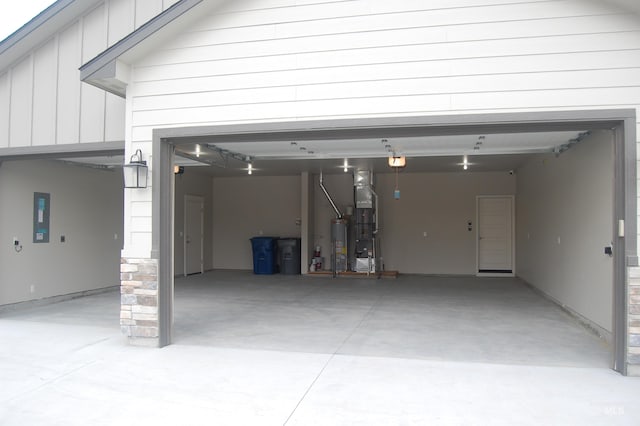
(136, 172)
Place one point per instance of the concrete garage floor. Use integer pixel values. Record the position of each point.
(274, 350)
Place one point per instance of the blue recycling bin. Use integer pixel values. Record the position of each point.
(265, 255)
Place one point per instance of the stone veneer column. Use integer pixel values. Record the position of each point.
(633, 341)
(139, 319)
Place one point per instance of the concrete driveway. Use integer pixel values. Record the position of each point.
(67, 363)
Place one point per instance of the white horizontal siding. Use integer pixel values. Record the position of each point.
(324, 16)
(283, 61)
(43, 101)
(454, 69)
(461, 85)
(189, 63)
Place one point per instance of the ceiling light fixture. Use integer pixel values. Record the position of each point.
(346, 165)
(465, 163)
(198, 151)
(397, 161)
(250, 169)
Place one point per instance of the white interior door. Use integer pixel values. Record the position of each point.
(495, 234)
(193, 235)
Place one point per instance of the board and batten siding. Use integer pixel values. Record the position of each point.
(42, 100)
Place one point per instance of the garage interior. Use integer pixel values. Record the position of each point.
(78, 251)
(555, 308)
(555, 304)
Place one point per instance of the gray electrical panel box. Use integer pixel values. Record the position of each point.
(41, 207)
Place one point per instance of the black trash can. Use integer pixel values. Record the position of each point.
(289, 256)
(265, 251)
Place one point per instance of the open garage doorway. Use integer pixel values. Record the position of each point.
(621, 230)
(61, 223)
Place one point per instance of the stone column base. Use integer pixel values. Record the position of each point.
(139, 319)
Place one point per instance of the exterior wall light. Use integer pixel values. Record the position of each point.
(397, 161)
(136, 172)
(178, 170)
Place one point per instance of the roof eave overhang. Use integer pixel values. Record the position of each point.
(42, 27)
(108, 72)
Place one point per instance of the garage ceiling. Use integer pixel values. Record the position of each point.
(484, 152)
(490, 152)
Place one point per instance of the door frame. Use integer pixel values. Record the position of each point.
(199, 199)
(513, 237)
(622, 120)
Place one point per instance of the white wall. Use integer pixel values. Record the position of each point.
(193, 183)
(344, 58)
(271, 60)
(86, 207)
(565, 219)
(43, 101)
(246, 207)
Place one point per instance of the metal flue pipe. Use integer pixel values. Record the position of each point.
(338, 213)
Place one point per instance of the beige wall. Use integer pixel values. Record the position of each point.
(193, 183)
(247, 206)
(86, 207)
(565, 219)
(439, 204)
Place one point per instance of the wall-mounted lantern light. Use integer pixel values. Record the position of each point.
(136, 172)
(178, 170)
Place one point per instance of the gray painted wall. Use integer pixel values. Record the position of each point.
(565, 218)
(86, 207)
(247, 206)
(193, 183)
(439, 204)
